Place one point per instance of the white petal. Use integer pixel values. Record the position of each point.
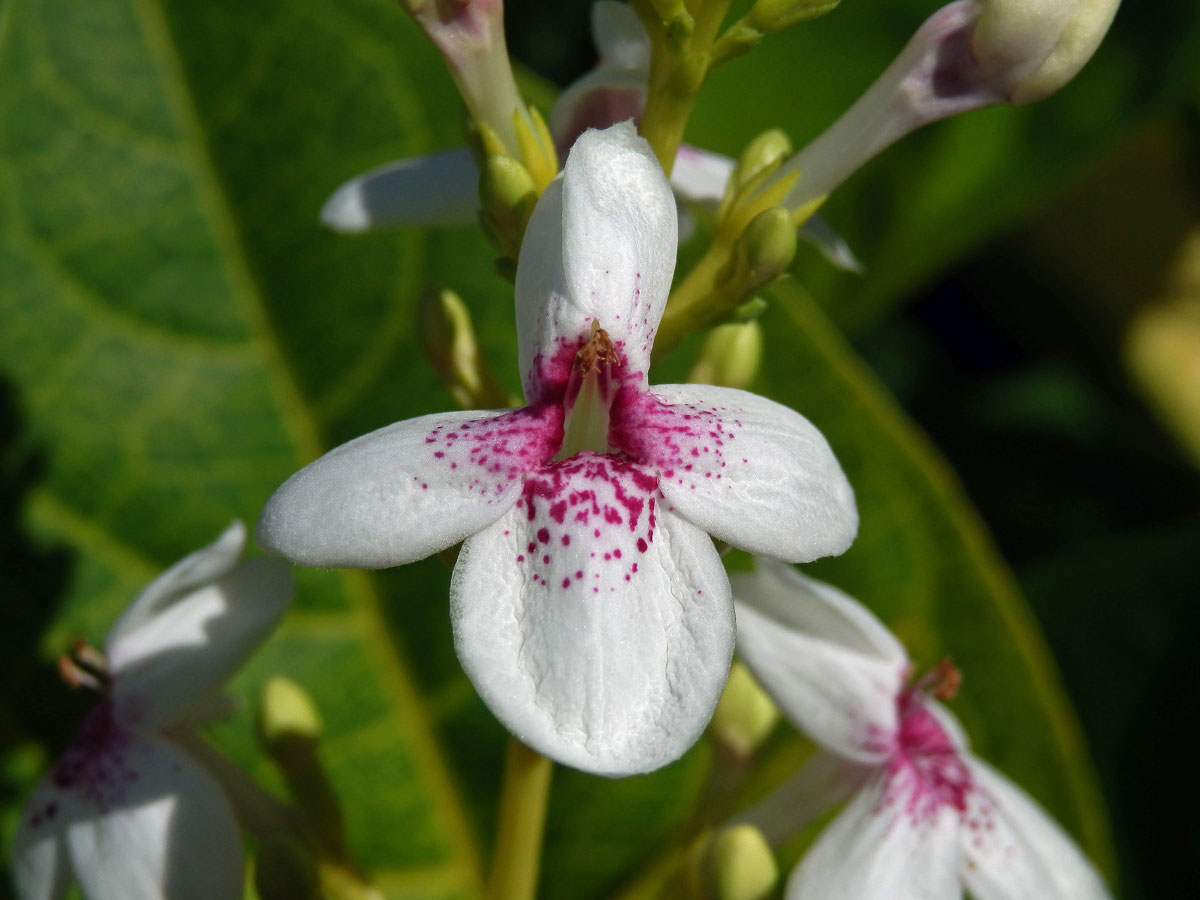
(743, 468)
(160, 828)
(836, 251)
(833, 668)
(179, 657)
(1014, 851)
(619, 36)
(408, 490)
(600, 246)
(40, 869)
(598, 631)
(874, 850)
(191, 572)
(439, 189)
(824, 781)
(700, 176)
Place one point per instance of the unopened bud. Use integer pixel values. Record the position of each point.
(745, 715)
(285, 869)
(967, 55)
(286, 713)
(775, 15)
(731, 357)
(447, 336)
(506, 199)
(767, 246)
(738, 865)
(762, 156)
(1037, 46)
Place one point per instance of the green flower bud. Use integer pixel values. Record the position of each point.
(447, 336)
(766, 247)
(775, 15)
(745, 715)
(507, 196)
(731, 357)
(762, 156)
(287, 713)
(738, 865)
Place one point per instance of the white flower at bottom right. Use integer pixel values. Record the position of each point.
(925, 818)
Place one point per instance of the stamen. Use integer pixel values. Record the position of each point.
(941, 682)
(589, 395)
(84, 666)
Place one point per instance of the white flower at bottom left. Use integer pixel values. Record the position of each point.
(125, 812)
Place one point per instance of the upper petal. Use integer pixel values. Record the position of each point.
(1014, 851)
(598, 631)
(165, 832)
(874, 850)
(438, 189)
(408, 490)
(600, 247)
(745, 469)
(191, 647)
(830, 665)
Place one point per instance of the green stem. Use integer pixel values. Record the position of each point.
(696, 301)
(519, 830)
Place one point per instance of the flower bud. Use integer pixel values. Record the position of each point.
(775, 15)
(766, 247)
(1037, 46)
(447, 336)
(731, 357)
(762, 156)
(738, 865)
(287, 713)
(745, 715)
(967, 55)
(506, 199)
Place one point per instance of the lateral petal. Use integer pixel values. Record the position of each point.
(830, 665)
(398, 494)
(598, 631)
(438, 189)
(745, 469)
(164, 830)
(189, 649)
(1014, 851)
(599, 247)
(874, 850)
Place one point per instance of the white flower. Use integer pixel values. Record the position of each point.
(925, 818)
(125, 811)
(589, 608)
(441, 189)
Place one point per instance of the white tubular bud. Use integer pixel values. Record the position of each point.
(967, 55)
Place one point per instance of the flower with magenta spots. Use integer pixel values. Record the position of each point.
(590, 609)
(925, 818)
(126, 810)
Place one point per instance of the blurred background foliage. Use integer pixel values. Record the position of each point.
(179, 334)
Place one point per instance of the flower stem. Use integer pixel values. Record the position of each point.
(519, 829)
(694, 303)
